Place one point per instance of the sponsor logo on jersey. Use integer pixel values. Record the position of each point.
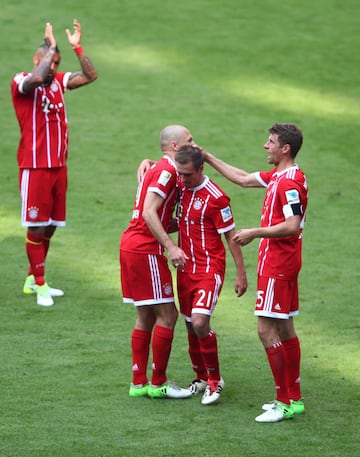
(164, 177)
(292, 196)
(226, 214)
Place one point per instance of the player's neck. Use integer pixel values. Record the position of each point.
(285, 164)
(170, 154)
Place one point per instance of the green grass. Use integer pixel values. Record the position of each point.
(227, 70)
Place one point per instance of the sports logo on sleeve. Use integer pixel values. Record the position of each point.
(293, 206)
(164, 178)
(292, 196)
(226, 214)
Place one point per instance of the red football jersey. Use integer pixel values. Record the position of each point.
(162, 178)
(42, 118)
(204, 213)
(286, 195)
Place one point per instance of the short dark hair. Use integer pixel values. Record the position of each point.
(289, 134)
(46, 45)
(189, 153)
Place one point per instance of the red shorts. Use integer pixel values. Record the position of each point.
(43, 195)
(198, 293)
(145, 279)
(277, 298)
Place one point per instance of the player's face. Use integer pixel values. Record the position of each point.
(189, 176)
(275, 151)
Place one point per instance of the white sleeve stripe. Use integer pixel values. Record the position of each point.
(261, 181)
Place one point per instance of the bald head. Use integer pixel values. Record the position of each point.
(174, 136)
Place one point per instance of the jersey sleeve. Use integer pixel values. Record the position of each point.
(290, 197)
(63, 79)
(162, 181)
(17, 83)
(264, 177)
(222, 215)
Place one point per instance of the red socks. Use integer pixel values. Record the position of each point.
(293, 355)
(277, 361)
(196, 357)
(284, 360)
(37, 248)
(161, 348)
(209, 351)
(36, 254)
(140, 346)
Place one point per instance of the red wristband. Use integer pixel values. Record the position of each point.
(79, 50)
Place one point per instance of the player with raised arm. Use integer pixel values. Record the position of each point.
(38, 99)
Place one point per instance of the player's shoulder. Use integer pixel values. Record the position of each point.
(295, 174)
(163, 173)
(293, 178)
(18, 77)
(215, 191)
(166, 162)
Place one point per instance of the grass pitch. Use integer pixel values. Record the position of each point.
(227, 70)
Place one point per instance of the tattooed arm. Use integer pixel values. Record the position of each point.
(46, 61)
(88, 72)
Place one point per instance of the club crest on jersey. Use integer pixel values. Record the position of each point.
(54, 87)
(33, 212)
(292, 196)
(198, 203)
(226, 214)
(164, 177)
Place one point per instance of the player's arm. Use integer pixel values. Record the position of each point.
(152, 203)
(88, 71)
(241, 284)
(173, 225)
(144, 166)
(42, 67)
(289, 227)
(233, 174)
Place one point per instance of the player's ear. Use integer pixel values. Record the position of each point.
(287, 148)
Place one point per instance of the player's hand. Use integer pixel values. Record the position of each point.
(240, 285)
(244, 237)
(75, 37)
(177, 257)
(49, 36)
(202, 150)
(144, 166)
